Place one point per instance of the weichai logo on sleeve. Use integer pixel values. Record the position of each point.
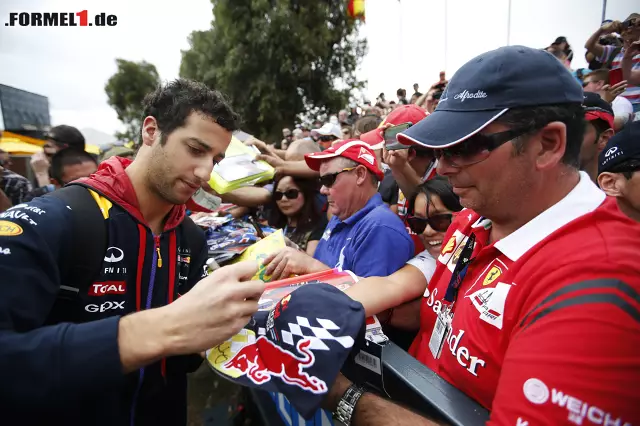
(61, 19)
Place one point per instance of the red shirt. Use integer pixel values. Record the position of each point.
(546, 325)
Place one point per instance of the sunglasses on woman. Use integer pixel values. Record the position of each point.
(437, 222)
(477, 148)
(291, 194)
(329, 179)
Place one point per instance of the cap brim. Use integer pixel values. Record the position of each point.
(373, 138)
(600, 115)
(442, 128)
(314, 160)
(317, 133)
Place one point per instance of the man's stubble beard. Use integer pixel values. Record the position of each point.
(157, 178)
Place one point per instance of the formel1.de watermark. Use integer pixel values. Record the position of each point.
(61, 19)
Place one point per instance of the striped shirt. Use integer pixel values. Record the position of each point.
(633, 92)
(16, 187)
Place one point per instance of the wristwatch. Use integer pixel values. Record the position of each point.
(347, 404)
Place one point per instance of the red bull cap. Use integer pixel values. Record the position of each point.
(297, 348)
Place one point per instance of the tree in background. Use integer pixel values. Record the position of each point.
(278, 59)
(126, 89)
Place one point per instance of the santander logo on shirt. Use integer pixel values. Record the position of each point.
(483, 296)
(455, 339)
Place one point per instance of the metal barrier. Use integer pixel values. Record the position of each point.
(407, 382)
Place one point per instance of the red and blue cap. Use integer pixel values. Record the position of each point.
(297, 348)
(595, 108)
(489, 85)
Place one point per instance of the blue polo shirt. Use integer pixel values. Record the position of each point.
(372, 242)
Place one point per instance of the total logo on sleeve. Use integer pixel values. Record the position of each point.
(108, 287)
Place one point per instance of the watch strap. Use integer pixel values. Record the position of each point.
(347, 404)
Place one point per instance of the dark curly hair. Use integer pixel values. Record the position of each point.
(307, 218)
(172, 103)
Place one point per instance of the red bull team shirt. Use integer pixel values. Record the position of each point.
(546, 321)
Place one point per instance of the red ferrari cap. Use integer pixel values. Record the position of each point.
(353, 149)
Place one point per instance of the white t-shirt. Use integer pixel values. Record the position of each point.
(622, 107)
(425, 263)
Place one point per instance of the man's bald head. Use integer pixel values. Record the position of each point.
(299, 148)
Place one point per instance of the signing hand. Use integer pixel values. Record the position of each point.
(215, 309)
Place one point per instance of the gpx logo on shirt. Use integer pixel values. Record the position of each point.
(106, 306)
(60, 19)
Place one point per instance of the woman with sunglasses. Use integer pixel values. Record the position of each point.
(295, 210)
(431, 211)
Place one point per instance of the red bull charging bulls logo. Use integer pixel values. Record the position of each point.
(262, 360)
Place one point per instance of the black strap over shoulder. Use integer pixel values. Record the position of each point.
(89, 236)
(194, 235)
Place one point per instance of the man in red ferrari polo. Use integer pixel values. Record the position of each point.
(534, 308)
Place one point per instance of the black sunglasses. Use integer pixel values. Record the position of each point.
(437, 222)
(477, 148)
(291, 194)
(327, 138)
(329, 179)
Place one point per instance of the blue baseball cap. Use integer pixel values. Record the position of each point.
(297, 348)
(486, 87)
(625, 145)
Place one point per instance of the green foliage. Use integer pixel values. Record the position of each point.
(278, 59)
(126, 89)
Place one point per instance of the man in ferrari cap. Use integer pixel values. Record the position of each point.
(363, 236)
(409, 167)
(534, 300)
(597, 132)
